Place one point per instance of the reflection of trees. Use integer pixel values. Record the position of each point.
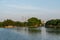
(53, 30)
(34, 30)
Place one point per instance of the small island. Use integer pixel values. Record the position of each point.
(54, 23)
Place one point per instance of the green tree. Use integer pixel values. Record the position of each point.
(53, 23)
(8, 22)
(25, 23)
(34, 22)
(1, 24)
(17, 23)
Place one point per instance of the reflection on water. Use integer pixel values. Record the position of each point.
(43, 33)
(34, 30)
(29, 34)
(8, 34)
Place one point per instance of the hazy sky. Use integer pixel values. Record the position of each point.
(23, 9)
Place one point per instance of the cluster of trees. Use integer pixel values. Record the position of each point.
(55, 23)
(32, 22)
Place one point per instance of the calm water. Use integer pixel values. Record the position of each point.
(25, 34)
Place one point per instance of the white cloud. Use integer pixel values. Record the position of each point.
(17, 11)
(26, 7)
(29, 7)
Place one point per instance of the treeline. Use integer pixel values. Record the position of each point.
(31, 22)
(54, 23)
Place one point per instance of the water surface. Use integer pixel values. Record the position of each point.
(25, 34)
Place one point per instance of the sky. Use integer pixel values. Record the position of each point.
(21, 10)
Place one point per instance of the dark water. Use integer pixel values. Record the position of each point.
(25, 34)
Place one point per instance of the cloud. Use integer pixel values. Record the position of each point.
(30, 7)
(26, 7)
(14, 11)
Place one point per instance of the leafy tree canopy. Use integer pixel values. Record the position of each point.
(34, 21)
(53, 22)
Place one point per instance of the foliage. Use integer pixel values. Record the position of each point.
(8, 22)
(17, 23)
(34, 21)
(1, 24)
(54, 22)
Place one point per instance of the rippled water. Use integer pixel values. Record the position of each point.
(25, 34)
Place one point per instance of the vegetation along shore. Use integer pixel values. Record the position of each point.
(31, 23)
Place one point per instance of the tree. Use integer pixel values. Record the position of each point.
(34, 22)
(8, 22)
(17, 23)
(25, 23)
(1, 24)
(53, 23)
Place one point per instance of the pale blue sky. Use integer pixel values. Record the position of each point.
(18, 9)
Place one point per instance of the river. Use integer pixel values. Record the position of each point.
(22, 33)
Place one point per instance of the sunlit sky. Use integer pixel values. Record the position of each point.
(21, 10)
